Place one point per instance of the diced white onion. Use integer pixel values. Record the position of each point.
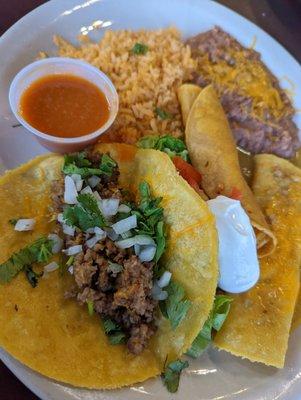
(165, 279)
(57, 242)
(70, 194)
(96, 195)
(94, 181)
(137, 249)
(51, 267)
(60, 218)
(109, 207)
(78, 181)
(71, 251)
(86, 190)
(70, 269)
(147, 253)
(126, 224)
(111, 234)
(25, 224)
(100, 232)
(158, 293)
(123, 208)
(92, 241)
(68, 230)
(142, 240)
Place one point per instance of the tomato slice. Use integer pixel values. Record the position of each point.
(187, 171)
(236, 194)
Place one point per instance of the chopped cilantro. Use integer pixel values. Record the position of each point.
(107, 165)
(25, 257)
(139, 49)
(32, 276)
(84, 215)
(69, 261)
(162, 114)
(90, 306)
(174, 308)
(168, 144)
(171, 375)
(113, 331)
(78, 164)
(215, 321)
(13, 221)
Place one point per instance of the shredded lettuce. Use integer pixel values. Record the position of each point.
(172, 373)
(167, 143)
(215, 321)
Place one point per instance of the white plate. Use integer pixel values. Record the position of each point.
(217, 375)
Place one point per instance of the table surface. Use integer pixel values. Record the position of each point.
(280, 18)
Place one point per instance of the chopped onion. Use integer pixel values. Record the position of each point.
(86, 190)
(142, 240)
(123, 208)
(126, 224)
(96, 195)
(158, 293)
(165, 279)
(25, 224)
(51, 267)
(70, 193)
(94, 181)
(68, 230)
(111, 234)
(70, 269)
(60, 218)
(71, 251)
(100, 232)
(109, 207)
(78, 181)
(57, 242)
(90, 230)
(147, 253)
(137, 249)
(92, 241)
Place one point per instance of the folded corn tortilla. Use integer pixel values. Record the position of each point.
(213, 153)
(57, 337)
(259, 321)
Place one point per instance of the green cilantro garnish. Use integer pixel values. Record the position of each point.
(70, 261)
(38, 251)
(32, 276)
(139, 49)
(84, 215)
(113, 331)
(168, 144)
(215, 321)
(90, 306)
(162, 114)
(78, 164)
(107, 165)
(13, 221)
(174, 307)
(171, 375)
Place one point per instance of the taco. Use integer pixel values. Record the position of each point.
(213, 153)
(139, 255)
(259, 321)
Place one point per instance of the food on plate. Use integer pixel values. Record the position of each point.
(213, 153)
(41, 105)
(118, 231)
(259, 321)
(259, 111)
(146, 68)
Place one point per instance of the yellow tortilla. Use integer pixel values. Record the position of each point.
(56, 337)
(213, 153)
(259, 321)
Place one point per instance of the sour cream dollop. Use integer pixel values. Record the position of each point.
(238, 261)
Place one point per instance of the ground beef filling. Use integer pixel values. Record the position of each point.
(253, 131)
(124, 297)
